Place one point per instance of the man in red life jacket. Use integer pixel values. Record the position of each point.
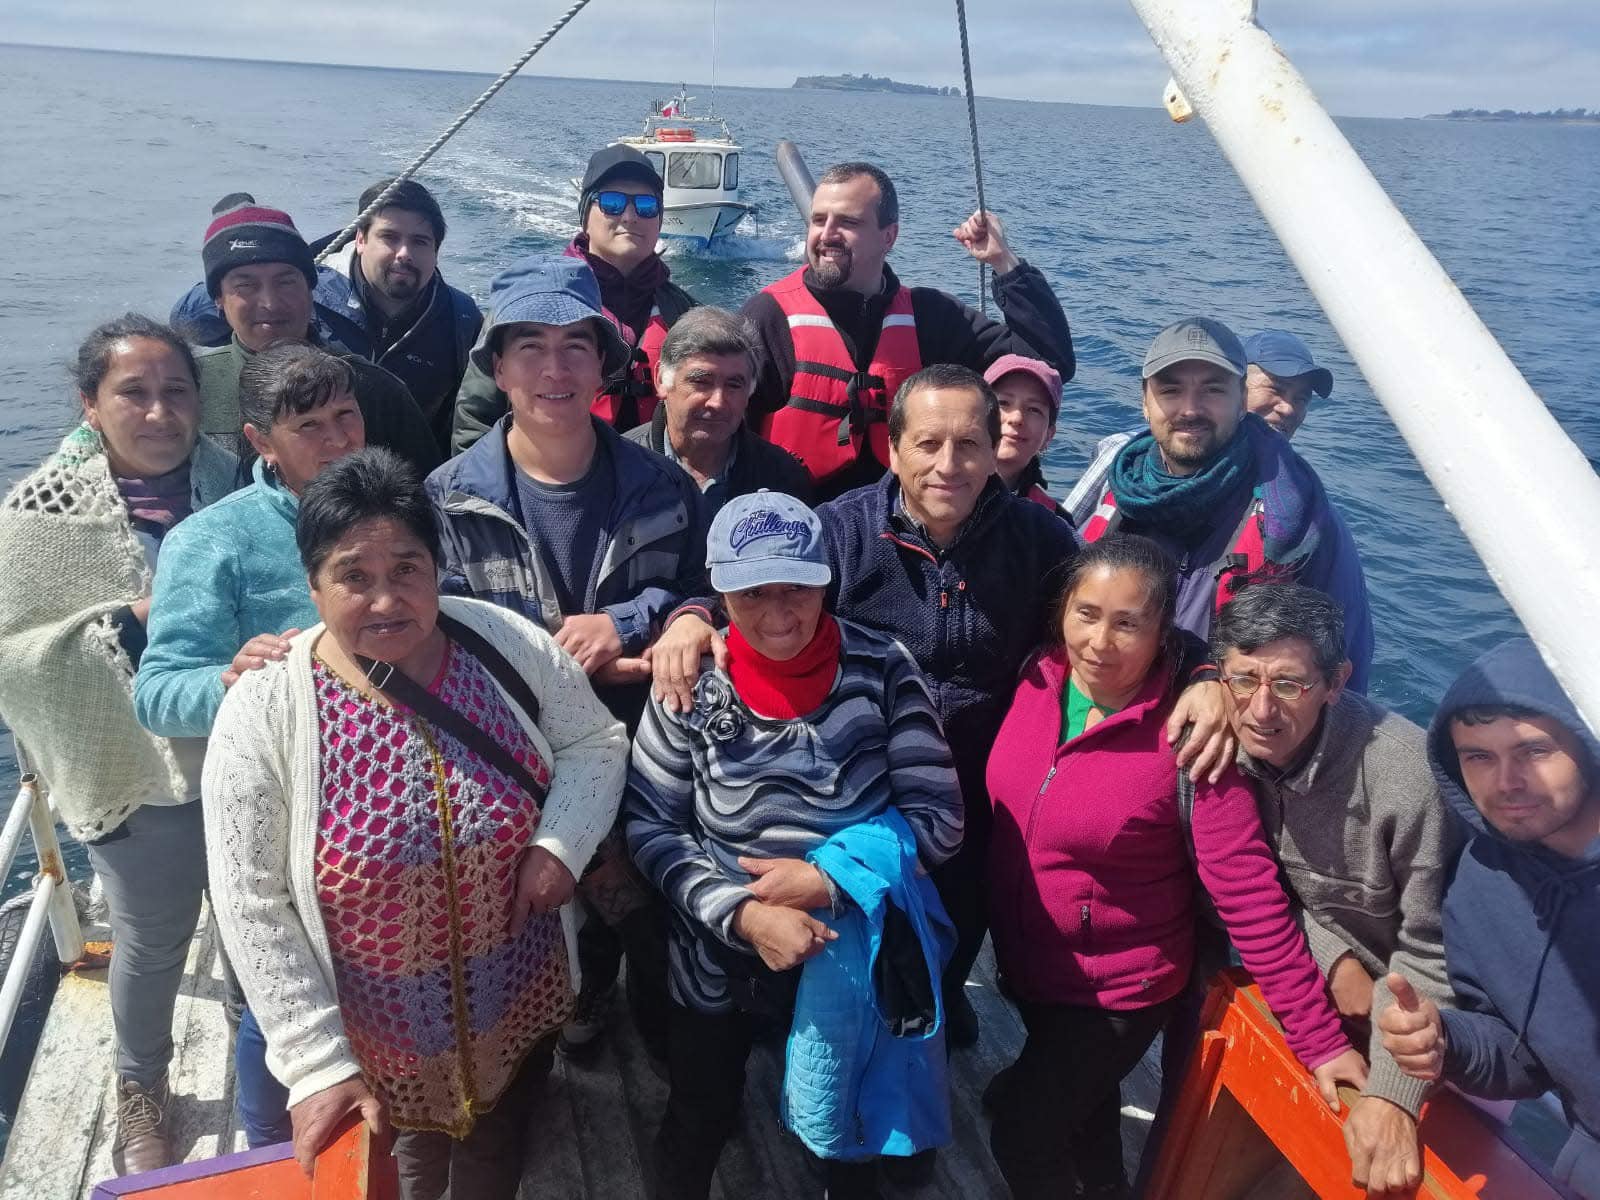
(841, 334)
(1030, 399)
(619, 217)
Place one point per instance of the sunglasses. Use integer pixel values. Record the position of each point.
(614, 204)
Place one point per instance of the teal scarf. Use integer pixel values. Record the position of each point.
(1182, 507)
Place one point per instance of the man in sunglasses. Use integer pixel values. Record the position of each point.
(1349, 802)
(619, 224)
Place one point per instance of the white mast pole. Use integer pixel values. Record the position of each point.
(1522, 492)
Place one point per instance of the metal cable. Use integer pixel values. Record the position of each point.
(977, 160)
(349, 231)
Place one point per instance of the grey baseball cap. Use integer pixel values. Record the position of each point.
(766, 538)
(1195, 339)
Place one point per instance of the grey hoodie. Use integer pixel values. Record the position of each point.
(1520, 935)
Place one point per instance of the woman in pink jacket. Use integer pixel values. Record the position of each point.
(1093, 898)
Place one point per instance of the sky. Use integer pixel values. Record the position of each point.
(1363, 57)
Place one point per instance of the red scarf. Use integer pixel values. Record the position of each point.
(791, 688)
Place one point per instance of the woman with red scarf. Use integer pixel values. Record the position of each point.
(816, 726)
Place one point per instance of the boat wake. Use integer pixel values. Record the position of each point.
(739, 248)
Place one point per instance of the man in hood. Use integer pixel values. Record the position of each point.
(1519, 766)
(619, 224)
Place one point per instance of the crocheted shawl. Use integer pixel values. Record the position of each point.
(66, 685)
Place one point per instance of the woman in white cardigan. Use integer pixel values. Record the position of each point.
(79, 538)
(396, 815)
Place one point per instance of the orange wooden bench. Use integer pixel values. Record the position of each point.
(1246, 1104)
(355, 1166)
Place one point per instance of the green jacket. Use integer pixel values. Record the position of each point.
(392, 417)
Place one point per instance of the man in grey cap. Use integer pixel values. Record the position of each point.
(1280, 379)
(1231, 501)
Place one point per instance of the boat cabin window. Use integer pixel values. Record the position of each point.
(730, 173)
(658, 161)
(694, 169)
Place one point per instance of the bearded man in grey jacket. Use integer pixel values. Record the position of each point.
(1349, 803)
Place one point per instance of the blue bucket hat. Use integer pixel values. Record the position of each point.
(1280, 353)
(766, 538)
(549, 290)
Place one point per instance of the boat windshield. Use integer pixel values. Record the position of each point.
(730, 173)
(658, 161)
(694, 169)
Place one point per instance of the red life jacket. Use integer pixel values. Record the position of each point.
(1246, 558)
(630, 399)
(836, 412)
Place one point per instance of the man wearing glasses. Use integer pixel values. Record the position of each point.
(619, 224)
(1348, 799)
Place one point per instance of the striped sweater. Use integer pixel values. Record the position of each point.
(718, 782)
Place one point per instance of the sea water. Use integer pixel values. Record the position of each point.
(111, 162)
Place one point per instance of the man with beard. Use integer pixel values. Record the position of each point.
(619, 220)
(381, 298)
(841, 334)
(1224, 494)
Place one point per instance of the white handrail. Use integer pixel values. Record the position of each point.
(52, 897)
(1522, 492)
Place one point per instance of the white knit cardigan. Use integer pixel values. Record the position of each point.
(262, 788)
(71, 562)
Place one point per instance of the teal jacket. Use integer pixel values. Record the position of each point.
(865, 1070)
(226, 574)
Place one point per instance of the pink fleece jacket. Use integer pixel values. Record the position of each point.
(1092, 899)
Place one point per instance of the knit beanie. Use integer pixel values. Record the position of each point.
(614, 162)
(244, 232)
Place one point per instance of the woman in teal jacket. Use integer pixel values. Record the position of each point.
(230, 589)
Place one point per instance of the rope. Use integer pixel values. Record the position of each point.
(977, 160)
(349, 231)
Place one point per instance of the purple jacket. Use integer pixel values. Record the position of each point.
(1092, 897)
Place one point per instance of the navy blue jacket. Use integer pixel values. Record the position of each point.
(655, 557)
(970, 614)
(1520, 936)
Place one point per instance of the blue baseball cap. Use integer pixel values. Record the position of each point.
(1278, 352)
(548, 290)
(766, 538)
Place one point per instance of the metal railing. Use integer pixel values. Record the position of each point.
(52, 897)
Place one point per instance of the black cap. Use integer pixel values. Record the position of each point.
(615, 162)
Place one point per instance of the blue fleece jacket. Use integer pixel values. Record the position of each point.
(865, 1066)
(226, 574)
(1519, 932)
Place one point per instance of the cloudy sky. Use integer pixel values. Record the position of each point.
(1364, 57)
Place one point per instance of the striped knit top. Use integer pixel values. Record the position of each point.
(718, 782)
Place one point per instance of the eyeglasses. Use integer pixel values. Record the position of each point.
(614, 204)
(1245, 686)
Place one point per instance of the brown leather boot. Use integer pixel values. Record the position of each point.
(143, 1142)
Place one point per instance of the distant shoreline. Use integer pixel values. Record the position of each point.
(870, 83)
(1552, 116)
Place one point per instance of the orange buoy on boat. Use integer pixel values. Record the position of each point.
(675, 134)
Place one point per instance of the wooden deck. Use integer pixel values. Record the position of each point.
(590, 1137)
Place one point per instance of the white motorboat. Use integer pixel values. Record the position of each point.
(698, 160)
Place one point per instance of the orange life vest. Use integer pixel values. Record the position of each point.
(1246, 558)
(630, 399)
(837, 412)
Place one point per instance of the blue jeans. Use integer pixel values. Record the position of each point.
(263, 1101)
